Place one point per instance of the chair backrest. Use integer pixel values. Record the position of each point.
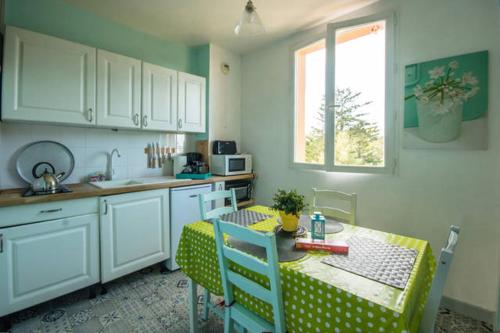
(215, 213)
(443, 265)
(329, 211)
(270, 268)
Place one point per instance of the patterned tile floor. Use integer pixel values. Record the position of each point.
(151, 301)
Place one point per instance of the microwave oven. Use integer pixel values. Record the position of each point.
(230, 165)
(242, 189)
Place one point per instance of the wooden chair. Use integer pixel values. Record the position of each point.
(432, 307)
(214, 214)
(236, 313)
(335, 213)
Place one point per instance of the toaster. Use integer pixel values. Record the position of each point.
(220, 147)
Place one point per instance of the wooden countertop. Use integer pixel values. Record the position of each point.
(13, 197)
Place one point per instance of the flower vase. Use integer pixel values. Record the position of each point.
(439, 121)
(290, 222)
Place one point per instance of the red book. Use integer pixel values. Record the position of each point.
(334, 246)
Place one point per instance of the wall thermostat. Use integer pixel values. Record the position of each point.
(225, 68)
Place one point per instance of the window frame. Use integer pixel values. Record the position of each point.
(390, 154)
(304, 42)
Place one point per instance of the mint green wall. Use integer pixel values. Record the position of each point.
(56, 18)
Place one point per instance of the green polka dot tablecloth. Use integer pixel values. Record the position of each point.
(319, 297)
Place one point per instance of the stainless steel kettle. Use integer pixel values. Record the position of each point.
(47, 181)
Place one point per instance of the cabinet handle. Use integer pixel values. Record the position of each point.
(91, 115)
(136, 119)
(145, 120)
(105, 207)
(179, 123)
(55, 210)
(1, 243)
(193, 196)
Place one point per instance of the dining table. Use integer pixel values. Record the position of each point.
(317, 297)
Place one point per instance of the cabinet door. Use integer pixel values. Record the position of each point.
(134, 232)
(47, 79)
(44, 260)
(191, 111)
(118, 90)
(159, 98)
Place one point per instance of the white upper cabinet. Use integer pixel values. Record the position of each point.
(47, 79)
(118, 90)
(191, 111)
(159, 98)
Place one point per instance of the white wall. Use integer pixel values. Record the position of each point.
(225, 96)
(433, 189)
(89, 146)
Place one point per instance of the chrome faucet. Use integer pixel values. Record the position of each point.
(111, 169)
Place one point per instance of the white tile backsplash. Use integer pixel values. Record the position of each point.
(90, 147)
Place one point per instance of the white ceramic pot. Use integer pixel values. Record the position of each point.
(439, 122)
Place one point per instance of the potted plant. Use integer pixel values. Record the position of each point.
(440, 102)
(290, 205)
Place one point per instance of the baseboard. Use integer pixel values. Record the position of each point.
(469, 310)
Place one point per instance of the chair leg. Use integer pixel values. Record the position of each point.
(206, 302)
(228, 322)
(193, 307)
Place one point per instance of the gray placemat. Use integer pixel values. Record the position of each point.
(383, 262)
(244, 217)
(331, 226)
(285, 245)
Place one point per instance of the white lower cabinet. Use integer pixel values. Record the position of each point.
(135, 232)
(44, 260)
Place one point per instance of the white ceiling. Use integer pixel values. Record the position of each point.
(196, 22)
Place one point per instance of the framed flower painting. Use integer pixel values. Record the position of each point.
(446, 103)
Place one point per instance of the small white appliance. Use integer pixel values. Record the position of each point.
(184, 209)
(180, 161)
(229, 165)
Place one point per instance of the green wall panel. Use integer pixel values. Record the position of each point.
(56, 18)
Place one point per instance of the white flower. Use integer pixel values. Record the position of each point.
(418, 91)
(436, 72)
(469, 78)
(455, 92)
(471, 93)
(453, 64)
(424, 99)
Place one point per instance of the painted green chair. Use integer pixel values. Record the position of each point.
(428, 323)
(213, 214)
(235, 313)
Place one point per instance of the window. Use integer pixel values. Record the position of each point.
(343, 98)
(310, 103)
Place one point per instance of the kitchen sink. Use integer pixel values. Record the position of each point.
(135, 182)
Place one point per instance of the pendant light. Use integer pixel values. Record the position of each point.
(250, 23)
